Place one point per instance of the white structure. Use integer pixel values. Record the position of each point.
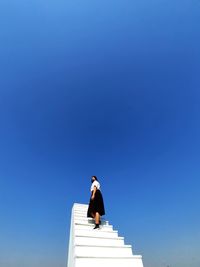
(97, 248)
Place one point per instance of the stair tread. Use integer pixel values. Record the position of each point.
(87, 218)
(107, 237)
(105, 246)
(83, 223)
(111, 257)
(96, 231)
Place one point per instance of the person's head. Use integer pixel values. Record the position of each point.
(94, 178)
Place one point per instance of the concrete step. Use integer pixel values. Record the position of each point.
(78, 207)
(84, 217)
(100, 241)
(81, 215)
(103, 251)
(133, 261)
(89, 221)
(96, 233)
(81, 210)
(91, 226)
(81, 207)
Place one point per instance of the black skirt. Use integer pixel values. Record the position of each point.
(96, 205)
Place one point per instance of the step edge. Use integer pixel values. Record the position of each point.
(117, 237)
(104, 246)
(108, 225)
(86, 219)
(104, 257)
(100, 230)
(102, 223)
(103, 230)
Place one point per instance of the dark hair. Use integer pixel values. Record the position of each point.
(95, 177)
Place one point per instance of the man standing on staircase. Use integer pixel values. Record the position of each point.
(96, 204)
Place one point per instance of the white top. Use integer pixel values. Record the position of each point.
(95, 183)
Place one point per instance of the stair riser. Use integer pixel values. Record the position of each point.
(99, 241)
(83, 218)
(95, 233)
(89, 221)
(83, 215)
(79, 262)
(85, 209)
(90, 227)
(103, 251)
(81, 208)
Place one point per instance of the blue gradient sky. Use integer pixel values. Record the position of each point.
(106, 88)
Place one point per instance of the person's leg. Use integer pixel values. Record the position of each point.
(97, 218)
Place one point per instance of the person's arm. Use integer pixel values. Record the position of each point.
(94, 191)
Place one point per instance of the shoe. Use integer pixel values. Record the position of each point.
(96, 226)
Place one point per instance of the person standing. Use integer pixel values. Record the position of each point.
(96, 203)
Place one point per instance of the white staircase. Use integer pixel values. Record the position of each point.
(97, 248)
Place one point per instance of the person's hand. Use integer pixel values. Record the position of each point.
(92, 197)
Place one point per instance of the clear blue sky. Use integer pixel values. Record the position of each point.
(106, 88)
